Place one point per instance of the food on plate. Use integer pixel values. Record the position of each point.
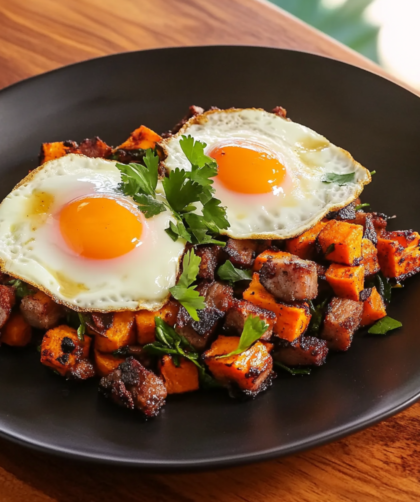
(209, 257)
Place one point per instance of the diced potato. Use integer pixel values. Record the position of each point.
(106, 363)
(399, 253)
(179, 379)
(373, 308)
(145, 321)
(143, 138)
(304, 245)
(341, 242)
(121, 333)
(16, 332)
(347, 282)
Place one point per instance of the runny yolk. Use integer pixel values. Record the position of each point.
(248, 168)
(99, 228)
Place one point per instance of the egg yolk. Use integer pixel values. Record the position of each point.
(248, 168)
(99, 228)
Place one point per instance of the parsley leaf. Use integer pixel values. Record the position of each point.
(180, 191)
(194, 151)
(361, 206)
(382, 285)
(148, 205)
(254, 328)
(21, 288)
(293, 371)
(178, 230)
(139, 178)
(212, 211)
(81, 330)
(204, 174)
(317, 313)
(227, 272)
(186, 294)
(384, 325)
(339, 179)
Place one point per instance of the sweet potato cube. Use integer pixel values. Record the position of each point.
(373, 307)
(142, 138)
(145, 321)
(399, 253)
(304, 245)
(121, 333)
(341, 322)
(51, 151)
(178, 379)
(292, 319)
(16, 332)
(250, 371)
(341, 242)
(62, 351)
(106, 363)
(265, 256)
(369, 258)
(346, 282)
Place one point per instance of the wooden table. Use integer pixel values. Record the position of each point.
(378, 464)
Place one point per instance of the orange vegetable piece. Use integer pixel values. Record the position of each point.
(304, 245)
(292, 319)
(51, 151)
(145, 320)
(399, 253)
(247, 370)
(106, 363)
(16, 332)
(264, 256)
(343, 241)
(347, 282)
(121, 333)
(179, 379)
(373, 308)
(369, 257)
(143, 138)
(62, 350)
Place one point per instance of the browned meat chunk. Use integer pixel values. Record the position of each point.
(100, 323)
(342, 320)
(344, 214)
(198, 333)
(241, 310)
(290, 278)
(4, 278)
(280, 111)
(209, 259)
(192, 112)
(133, 386)
(220, 296)
(7, 301)
(40, 311)
(95, 147)
(241, 252)
(304, 351)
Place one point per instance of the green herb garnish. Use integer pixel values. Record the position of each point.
(317, 313)
(330, 249)
(383, 286)
(361, 206)
(254, 328)
(227, 272)
(339, 179)
(21, 288)
(81, 330)
(293, 371)
(384, 325)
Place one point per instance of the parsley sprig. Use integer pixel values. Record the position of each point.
(21, 288)
(227, 272)
(254, 328)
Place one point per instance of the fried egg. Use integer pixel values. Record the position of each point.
(271, 171)
(67, 230)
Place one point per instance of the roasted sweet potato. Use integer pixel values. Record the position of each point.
(369, 258)
(373, 306)
(249, 371)
(7, 301)
(292, 319)
(346, 282)
(178, 379)
(145, 321)
(62, 351)
(16, 332)
(304, 245)
(122, 332)
(41, 311)
(142, 138)
(106, 363)
(268, 254)
(399, 254)
(341, 322)
(341, 242)
(51, 151)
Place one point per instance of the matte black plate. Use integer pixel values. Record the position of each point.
(377, 121)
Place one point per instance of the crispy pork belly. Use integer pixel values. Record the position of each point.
(95, 147)
(280, 111)
(193, 111)
(100, 323)
(341, 322)
(289, 278)
(241, 252)
(344, 214)
(7, 301)
(41, 311)
(209, 259)
(304, 351)
(198, 333)
(133, 386)
(241, 310)
(219, 295)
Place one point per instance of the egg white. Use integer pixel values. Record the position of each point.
(303, 200)
(32, 248)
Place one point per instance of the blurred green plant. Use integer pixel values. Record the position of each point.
(343, 22)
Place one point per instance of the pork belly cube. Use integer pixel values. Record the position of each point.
(7, 301)
(220, 296)
(289, 278)
(198, 333)
(342, 319)
(304, 351)
(122, 332)
(40, 311)
(209, 259)
(133, 386)
(98, 323)
(241, 252)
(399, 254)
(343, 214)
(250, 371)
(145, 321)
(377, 220)
(241, 310)
(95, 147)
(341, 242)
(64, 352)
(369, 258)
(179, 379)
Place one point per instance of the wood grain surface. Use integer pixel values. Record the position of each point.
(378, 464)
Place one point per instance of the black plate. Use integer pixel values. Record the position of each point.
(373, 118)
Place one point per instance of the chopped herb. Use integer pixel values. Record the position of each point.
(21, 288)
(81, 330)
(38, 348)
(122, 351)
(254, 328)
(372, 173)
(183, 291)
(317, 313)
(384, 325)
(194, 151)
(293, 371)
(361, 206)
(148, 205)
(330, 249)
(227, 272)
(339, 179)
(383, 286)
